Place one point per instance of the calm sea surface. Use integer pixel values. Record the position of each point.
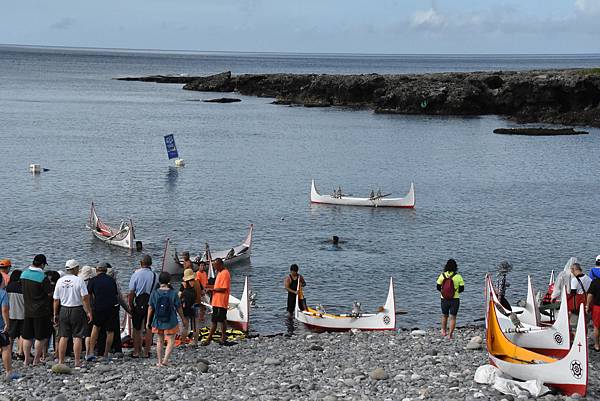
(481, 198)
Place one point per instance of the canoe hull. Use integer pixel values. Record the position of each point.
(407, 202)
(382, 320)
(123, 237)
(552, 340)
(569, 374)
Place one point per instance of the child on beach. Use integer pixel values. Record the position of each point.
(163, 308)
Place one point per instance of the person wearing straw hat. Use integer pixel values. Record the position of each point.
(190, 294)
(72, 311)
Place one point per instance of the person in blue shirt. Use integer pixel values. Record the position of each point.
(163, 308)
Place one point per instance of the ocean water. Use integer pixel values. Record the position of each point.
(481, 198)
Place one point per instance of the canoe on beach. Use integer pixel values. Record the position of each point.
(376, 201)
(568, 375)
(383, 319)
(124, 236)
(552, 340)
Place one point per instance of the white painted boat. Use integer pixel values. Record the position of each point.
(172, 264)
(376, 201)
(238, 310)
(124, 236)
(568, 375)
(384, 319)
(552, 340)
(236, 254)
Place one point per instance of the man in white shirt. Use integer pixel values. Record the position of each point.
(71, 305)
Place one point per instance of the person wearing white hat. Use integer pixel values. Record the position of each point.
(72, 311)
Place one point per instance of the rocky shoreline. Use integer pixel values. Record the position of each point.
(401, 365)
(549, 96)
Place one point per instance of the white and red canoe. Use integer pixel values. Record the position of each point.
(124, 236)
(552, 340)
(568, 375)
(238, 311)
(172, 264)
(384, 319)
(239, 253)
(376, 201)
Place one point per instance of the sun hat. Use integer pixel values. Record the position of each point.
(188, 275)
(598, 258)
(87, 272)
(71, 264)
(5, 263)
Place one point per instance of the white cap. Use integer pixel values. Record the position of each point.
(598, 258)
(71, 264)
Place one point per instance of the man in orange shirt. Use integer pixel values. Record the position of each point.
(219, 302)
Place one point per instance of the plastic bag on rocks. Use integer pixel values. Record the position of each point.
(515, 388)
(487, 374)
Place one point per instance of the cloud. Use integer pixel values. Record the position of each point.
(64, 23)
(428, 19)
(588, 6)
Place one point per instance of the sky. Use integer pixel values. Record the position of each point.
(308, 26)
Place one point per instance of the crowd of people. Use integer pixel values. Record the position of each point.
(51, 314)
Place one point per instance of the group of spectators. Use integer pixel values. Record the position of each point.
(77, 310)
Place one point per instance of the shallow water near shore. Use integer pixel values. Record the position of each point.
(481, 198)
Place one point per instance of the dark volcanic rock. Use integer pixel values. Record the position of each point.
(538, 131)
(554, 96)
(161, 79)
(223, 100)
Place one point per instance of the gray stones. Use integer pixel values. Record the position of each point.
(379, 374)
(351, 371)
(316, 347)
(202, 367)
(60, 368)
(60, 397)
(272, 361)
(418, 333)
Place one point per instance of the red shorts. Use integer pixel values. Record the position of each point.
(596, 316)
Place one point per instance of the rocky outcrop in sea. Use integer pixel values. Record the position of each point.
(553, 96)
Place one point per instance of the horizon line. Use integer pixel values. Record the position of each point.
(191, 52)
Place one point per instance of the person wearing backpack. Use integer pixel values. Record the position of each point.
(190, 294)
(141, 285)
(163, 308)
(450, 284)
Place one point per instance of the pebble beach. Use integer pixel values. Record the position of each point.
(401, 365)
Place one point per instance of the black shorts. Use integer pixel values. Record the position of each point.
(450, 306)
(72, 322)
(139, 314)
(16, 328)
(105, 319)
(219, 314)
(39, 328)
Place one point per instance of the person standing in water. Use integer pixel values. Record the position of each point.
(450, 284)
(291, 286)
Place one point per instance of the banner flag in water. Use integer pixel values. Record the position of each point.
(171, 148)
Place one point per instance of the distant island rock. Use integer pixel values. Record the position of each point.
(538, 131)
(570, 97)
(223, 100)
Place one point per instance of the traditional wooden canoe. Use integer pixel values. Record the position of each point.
(552, 340)
(172, 264)
(384, 319)
(568, 375)
(124, 236)
(238, 311)
(378, 201)
(236, 254)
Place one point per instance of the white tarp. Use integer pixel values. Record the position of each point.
(488, 374)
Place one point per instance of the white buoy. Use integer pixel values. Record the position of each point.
(35, 168)
(179, 162)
